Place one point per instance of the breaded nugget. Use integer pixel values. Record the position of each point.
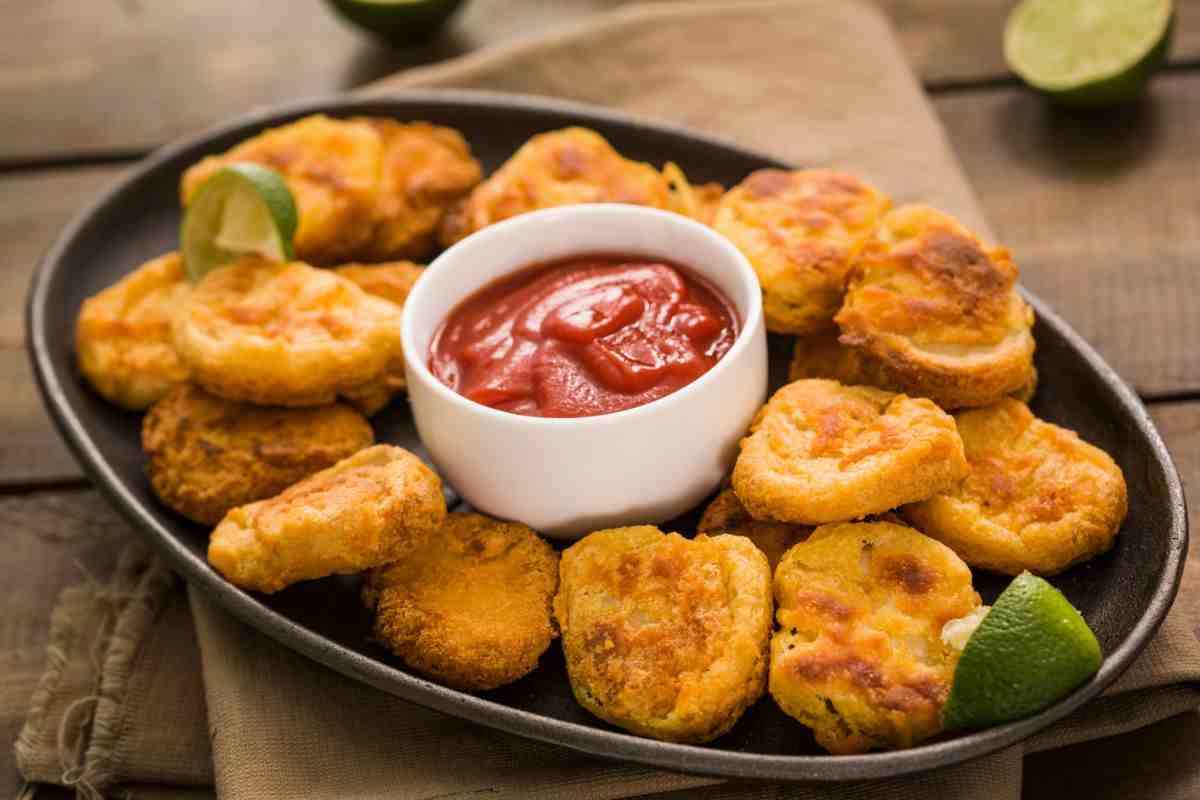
(284, 334)
(801, 231)
(940, 309)
(123, 334)
(377, 506)
(366, 188)
(1037, 498)
(474, 609)
(392, 282)
(208, 455)
(821, 452)
(858, 655)
(726, 514)
(559, 168)
(696, 201)
(665, 636)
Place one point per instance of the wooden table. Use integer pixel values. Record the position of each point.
(1102, 212)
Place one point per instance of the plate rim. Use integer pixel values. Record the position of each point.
(610, 744)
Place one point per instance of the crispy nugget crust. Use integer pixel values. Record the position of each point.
(858, 655)
(284, 334)
(474, 609)
(1037, 498)
(801, 231)
(123, 334)
(379, 505)
(726, 514)
(208, 455)
(940, 310)
(665, 636)
(821, 452)
(559, 168)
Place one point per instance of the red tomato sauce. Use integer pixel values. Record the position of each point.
(582, 337)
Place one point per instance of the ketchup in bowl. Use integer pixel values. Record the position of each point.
(583, 337)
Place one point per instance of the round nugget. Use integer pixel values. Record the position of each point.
(665, 636)
(858, 655)
(208, 455)
(473, 610)
(284, 334)
(1037, 497)
(377, 506)
(726, 514)
(801, 231)
(123, 334)
(821, 452)
(940, 310)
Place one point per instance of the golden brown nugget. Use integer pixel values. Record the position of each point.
(123, 334)
(267, 333)
(858, 655)
(940, 310)
(208, 455)
(1037, 498)
(473, 610)
(691, 200)
(377, 506)
(801, 231)
(821, 452)
(726, 514)
(559, 168)
(366, 188)
(665, 636)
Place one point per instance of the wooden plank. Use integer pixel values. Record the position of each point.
(1179, 424)
(1102, 213)
(33, 452)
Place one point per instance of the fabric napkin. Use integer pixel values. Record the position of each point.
(121, 703)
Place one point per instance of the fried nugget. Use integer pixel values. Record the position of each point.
(1037, 497)
(801, 231)
(821, 452)
(377, 506)
(392, 282)
(473, 610)
(366, 188)
(858, 655)
(559, 168)
(726, 514)
(665, 636)
(123, 335)
(208, 455)
(940, 309)
(696, 201)
(284, 334)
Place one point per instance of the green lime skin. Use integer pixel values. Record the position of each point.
(400, 22)
(1031, 650)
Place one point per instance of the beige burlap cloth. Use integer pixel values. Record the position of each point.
(121, 705)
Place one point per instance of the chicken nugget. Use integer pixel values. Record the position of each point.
(940, 309)
(123, 334)
(559, 168)
(474, 609)
(1037, 497)
(366, 188)
(726, 514)
(696, 201)
(284, 334)
(821, 452)
(665, 636)
(208, 455)
(377, 506)
(801, 231)
(858, 655)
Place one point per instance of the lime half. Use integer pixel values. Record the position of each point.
(1088, 53)
(1029, 651)
(398, 21)
(241, 209)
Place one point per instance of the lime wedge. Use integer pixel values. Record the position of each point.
(398, 21)
(1029, 651)
(241, 209)
(1088, 53)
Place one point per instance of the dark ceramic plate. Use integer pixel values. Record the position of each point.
(1123, 594)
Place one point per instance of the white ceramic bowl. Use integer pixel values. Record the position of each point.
(568, 477)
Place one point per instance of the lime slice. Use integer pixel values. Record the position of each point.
(398, 21)
(241, 209)
(1030, 650)
(1088, 53)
